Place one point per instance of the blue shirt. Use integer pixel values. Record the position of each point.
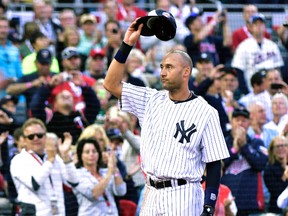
(10, 63)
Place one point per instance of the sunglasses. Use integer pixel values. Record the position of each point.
(32, 136)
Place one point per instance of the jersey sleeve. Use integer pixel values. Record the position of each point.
(213, 142)
(134, 99)
(239, 59)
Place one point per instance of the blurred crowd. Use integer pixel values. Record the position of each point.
(74, 152)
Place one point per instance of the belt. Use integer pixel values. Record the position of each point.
(159, 184)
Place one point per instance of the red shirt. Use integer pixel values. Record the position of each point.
(241, 34)
(76, 91)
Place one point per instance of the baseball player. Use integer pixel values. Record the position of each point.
(180, 135)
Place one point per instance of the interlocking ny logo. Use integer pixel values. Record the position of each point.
(185, 134)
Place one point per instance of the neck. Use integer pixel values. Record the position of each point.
(3, 42)
(64, 111)
(276, 119)
(180, 96)
(92, 169)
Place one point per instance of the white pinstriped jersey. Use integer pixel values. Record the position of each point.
(250, 58)
(177, 139)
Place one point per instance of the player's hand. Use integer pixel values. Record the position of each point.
(132, 35)
(207, 211)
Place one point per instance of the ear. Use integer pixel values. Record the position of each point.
(187, 72)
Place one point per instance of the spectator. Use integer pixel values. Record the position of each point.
(69, 78)
(127, 12)
(26, 47)
(28, 84)
(47, 26)
(276, 172)
(273, 77)
(111, 40)
(257, 128)
(200, 40)
(38, 172)
(39, 41)
(244, 32)
(256, 52)
(10, 61)
(89, 36)
(67, 18)
(280, 116)
(243, 169)
(260, 93)
(63, 118)
(97, 187)
(96, 64)
(8, 109)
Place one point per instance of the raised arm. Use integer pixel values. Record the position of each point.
(112, 82)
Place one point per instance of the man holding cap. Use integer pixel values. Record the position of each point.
(180, 131)
(28, 84)
(248, 157)
(257, 52)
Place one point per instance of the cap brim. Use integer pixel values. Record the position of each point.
(146, 30)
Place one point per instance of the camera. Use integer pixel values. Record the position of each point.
(277, 86)
(115, 31)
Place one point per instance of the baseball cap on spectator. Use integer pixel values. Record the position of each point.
(69, 52)
(256, 17)
(114, 134)
(257, 78)
(8, 98)
(229, 70)
(204, 57)
(241, 111)
(14, 36)
(160, 23)
(97, 52)
(44, 56)
(192, 16)
(87, 18)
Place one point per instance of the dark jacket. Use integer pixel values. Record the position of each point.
(75, 122)
(243, 178)
(272, 177)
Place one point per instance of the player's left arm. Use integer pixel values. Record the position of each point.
(213, 170)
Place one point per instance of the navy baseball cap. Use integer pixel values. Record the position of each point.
(44, 56)
(256, 17)
(160, 23)
(192, 17)
(7, 98)
(241, 111)
(114, 134)
(204, 57)
(70, 52)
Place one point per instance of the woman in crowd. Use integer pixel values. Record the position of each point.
(97, 187)
(276, 172)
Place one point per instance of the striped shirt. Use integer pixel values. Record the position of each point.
(177, 139)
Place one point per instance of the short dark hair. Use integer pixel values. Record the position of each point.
(36, 35)
(257, 78)
(80, 146)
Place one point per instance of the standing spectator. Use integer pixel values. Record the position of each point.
(38, 41)
(256, 52)
(67, 18)
(127, 12)
(47, 26)
(244, 32)
(275, 174)
(39, 172)
(10, 61)
(28, 84)
(97, 187)
(200, 40)
(243, 169)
